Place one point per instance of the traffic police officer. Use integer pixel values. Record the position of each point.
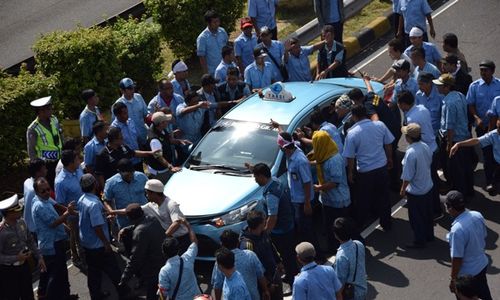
(44, 136)
(16, 247)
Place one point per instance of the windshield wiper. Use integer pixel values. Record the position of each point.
(219, 167)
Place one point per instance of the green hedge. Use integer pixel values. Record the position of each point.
(182, 20)
(16, 113)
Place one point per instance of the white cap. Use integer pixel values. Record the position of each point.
(41, 102)
(154, 185)
(416, 32)
(10, 203)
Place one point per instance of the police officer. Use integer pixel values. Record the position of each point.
(16, 247)
(44, 136)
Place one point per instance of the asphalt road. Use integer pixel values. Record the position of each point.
(393, 272)
(28, 19)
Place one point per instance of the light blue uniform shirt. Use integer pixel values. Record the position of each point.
(410, 85)
(91, 215)
(87, 119)
(257, 78)
(429, 68)
(29, 194)
(494, 110)
(334, 171)
(44, 214)
(221, 71)
(454, 116)
(263, 11)
(158, 102)
(481, 95)
(421, 115)
(432, 54)
(467, 240)
(417, 168)
(334, 134)
(90, 151)
(248, 265)
(67, 186)
(365, 141)
(299, 173)
(123, 193)
(346, 264)
(130, 136)
(316, 282)
(272, 203)
(433, 103)
(137, 111)
(209, 45)
(190, 123)
(243, 48)
(178, 87)
(277, 50)
(490, 139)
(169, 274)
(414, 13)
(299, 68)
(235, 288)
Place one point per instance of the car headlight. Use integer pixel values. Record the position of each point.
(234, 216)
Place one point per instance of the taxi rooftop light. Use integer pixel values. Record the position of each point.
(278, 93)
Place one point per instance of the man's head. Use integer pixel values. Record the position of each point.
(359, 112)
(170, 247)
(42, 188)
(11, 209)
(70, 160)
(90, 97)
(208, 83)
(266, 35)
(343, 105)
(154, 190)
(212, 19)
(126, 169)
(261, 174)
(405, 100)
(416, 36)
(487, 69)
(305, 253)
(229, 239)
(328, 33)
(444, 83)
(115, 137)
(455, 203)
(356, 95)
(343, 229)
(37, 168)
(246, 26)
(449, 63)
(227, 54)
(417, 56)
(120, 111)
(316, 119)
(88, 183)
(256, 221)
(295, 50)
(134, 213)
(412, 133)
(165, 88)
(161, 120)
(72, 143)
(43, 108)
(402, 68)
(192, 98)
(225, 260)
(425, 82)
(450, 42)
(286, 143)
(395, 48)
(99, 129)
(180, 69)
(233, 76)
(259, 55)
(127, 87)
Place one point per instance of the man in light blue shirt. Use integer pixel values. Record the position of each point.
(259, 74)
(247, 264)
(128, 130)
(226, 62)
(180, 82)
(318, 122)
(234, 286)
(417, 186)
(404, 81)
(413, 13)
(417, 56)
(190, 116)
(125, 188)
(210, 42)
(244, 45)
(432, 54)
(314, 281)
(296, 59)
(36, 169)
(166, 100)
(95, 145)
(275, 51)
(458, 169)
(370, 143)
(89, 115)
(263, 13)
(137, 108)
(467, 240)
(429, 97)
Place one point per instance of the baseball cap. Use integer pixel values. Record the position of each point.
(401, 64)
(425, 77)
(488, 64)
(344, 102)
(305, 250)
(444, 79)
(160, 116)
(154, 185)
(87, 180)
(259, 52)
(416, 32)
(455, 199)
(126, 83)
(412, 130)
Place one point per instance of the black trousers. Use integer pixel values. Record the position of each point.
(460, 171)
(285, 244)
(481, 285)
(57, 272)
(274, 33)
(489, 160)
(329, 216)
(436, 202)
(15, 282)
(420, 211)
(99, 261)
(373, 195)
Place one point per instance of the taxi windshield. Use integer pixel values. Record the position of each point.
(231, 144)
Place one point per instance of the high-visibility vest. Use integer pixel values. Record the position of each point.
(48, 142)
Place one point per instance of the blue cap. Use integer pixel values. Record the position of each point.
(126, 83)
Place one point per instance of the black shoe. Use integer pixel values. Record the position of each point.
(490, 189)
(415, 246)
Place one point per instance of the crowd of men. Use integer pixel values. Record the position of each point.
(114, 201)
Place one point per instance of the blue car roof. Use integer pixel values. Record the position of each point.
(307, 95)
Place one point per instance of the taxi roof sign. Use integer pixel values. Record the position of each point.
(277, 92)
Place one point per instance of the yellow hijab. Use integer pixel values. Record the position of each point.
(324, 148)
